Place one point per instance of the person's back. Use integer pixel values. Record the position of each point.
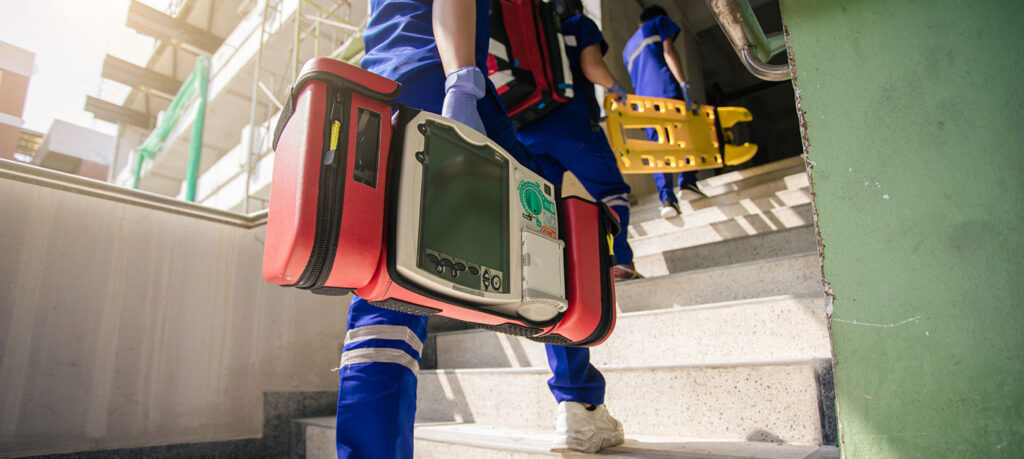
(570, 138)
(644, 56)
(657, 71)
(575, 117)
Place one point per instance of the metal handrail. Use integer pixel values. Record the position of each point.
(35, 175)
(754, 49)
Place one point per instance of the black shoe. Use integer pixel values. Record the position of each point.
(690, 192)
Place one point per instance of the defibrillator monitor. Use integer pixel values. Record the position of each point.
(474, 225)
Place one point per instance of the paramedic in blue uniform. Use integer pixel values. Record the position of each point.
(569, 137)
(657, 71)
(440, 72)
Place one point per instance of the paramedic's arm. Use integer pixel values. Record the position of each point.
(675, 64)
(594, 69)
(455, 33)
(454, 23)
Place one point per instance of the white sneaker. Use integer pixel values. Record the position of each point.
(588, 431)
(669, 209)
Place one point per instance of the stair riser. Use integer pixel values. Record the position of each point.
(799, 275)
(783, 329)
(775, 244)
(739, 403)
(748, 225)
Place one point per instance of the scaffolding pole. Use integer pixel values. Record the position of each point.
(257, 66)
(195, 148)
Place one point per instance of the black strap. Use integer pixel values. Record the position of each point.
(592, 108)
(720, 134)
(331, 79)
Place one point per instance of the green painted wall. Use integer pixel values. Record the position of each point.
(915, 125)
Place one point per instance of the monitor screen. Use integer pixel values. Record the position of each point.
(464, 214)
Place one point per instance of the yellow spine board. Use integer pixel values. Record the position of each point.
(686, 142)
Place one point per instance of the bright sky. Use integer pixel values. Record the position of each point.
(70, 39)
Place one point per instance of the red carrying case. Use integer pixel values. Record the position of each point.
(333, 206)
(325, 223)
(526, 60)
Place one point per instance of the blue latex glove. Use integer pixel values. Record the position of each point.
(689, 101)
(462, 89)
(618, 91)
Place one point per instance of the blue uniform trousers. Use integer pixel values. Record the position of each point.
(665, 186)
(592, 162)
(664, 181)
(380, 358)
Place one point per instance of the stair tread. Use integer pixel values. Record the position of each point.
(537, 442)
(767, 400)
(772, 202)
(649, 207)
(743, 248)
(724, 230)
(534, 442)
(743, 176)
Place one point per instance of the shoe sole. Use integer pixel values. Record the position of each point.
(592, 443)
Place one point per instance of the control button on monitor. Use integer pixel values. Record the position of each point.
(496, 283)
(473, 270)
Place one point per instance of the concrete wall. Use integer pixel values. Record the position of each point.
(913, 126)
(122, 326)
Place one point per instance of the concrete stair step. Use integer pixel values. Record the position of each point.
(775, 244)
(748, 401)
(797, 275)
(477, 440)
(793, 164)
(778, 328)
(786, 180)
(709, 215)
(742, 226)
(793, 275)
(447, 440)
(750, 172)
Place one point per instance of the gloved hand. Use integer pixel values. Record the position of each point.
(689, 101)
(462, 89)
(618, 92)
